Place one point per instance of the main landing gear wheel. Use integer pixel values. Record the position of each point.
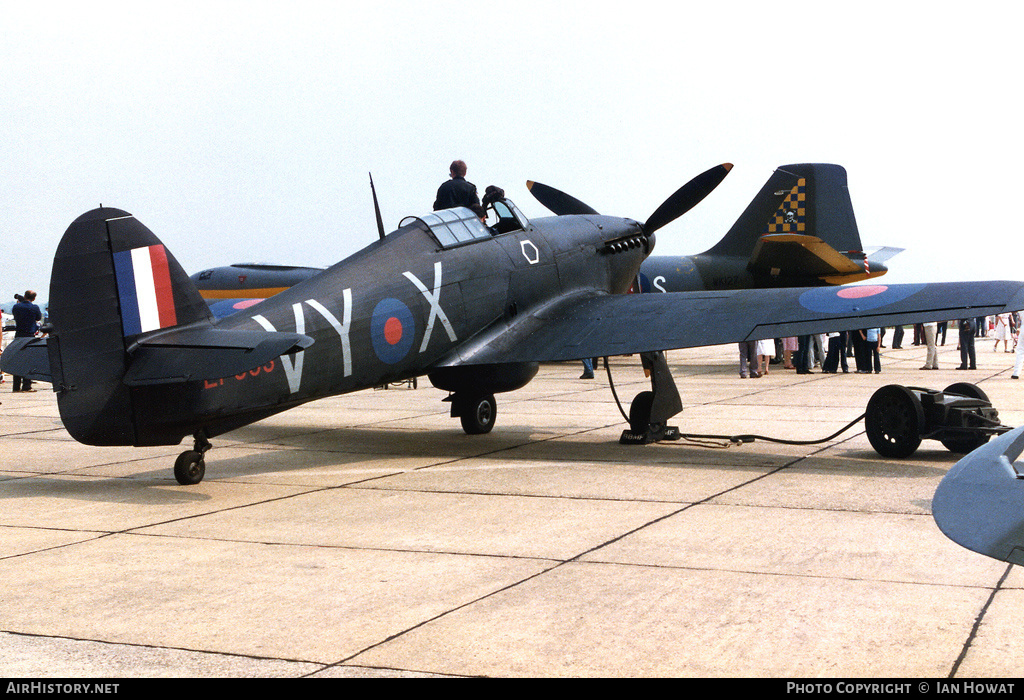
(893, 421)
(962, 444)
(189, 468)
(477, 414)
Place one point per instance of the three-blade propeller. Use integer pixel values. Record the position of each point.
(681, 201)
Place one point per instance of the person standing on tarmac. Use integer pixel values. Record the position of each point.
(26, 320)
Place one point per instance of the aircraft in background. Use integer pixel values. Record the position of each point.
(137, 358)
(236, 287)
(799, 231)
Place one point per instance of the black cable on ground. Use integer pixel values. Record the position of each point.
(611, 384)
(733, 439)
(751, 438)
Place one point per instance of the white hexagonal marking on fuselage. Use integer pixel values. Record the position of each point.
(535, 258)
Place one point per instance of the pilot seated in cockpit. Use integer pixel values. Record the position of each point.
(506, 222)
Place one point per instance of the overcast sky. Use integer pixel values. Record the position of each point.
(244, 131)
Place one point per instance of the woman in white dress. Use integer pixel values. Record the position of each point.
(1002, 332)
(765, 351)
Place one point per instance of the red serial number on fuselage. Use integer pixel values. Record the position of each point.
(263, 369)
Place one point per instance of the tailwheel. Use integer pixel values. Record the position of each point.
(477, 413)
(189, 468)
(893, 421)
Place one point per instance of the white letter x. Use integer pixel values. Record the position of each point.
(435, 305)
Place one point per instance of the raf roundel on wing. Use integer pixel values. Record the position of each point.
(847, 300)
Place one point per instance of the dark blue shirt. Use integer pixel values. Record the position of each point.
(26, 319)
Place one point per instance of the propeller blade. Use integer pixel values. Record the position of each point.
(686, 197)
(556, 200)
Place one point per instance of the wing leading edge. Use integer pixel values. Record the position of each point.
(575, 327)
(980, 502)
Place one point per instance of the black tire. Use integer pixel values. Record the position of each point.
(962, 444)
(640, 412)
(478, 414)
(189, 468)
(967, 389)
(893, 421)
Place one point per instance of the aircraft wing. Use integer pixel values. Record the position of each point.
(980, 502)
(575, 327)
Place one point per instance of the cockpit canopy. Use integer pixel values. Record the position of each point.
(509, 217)
(459, 226)
(453, 227)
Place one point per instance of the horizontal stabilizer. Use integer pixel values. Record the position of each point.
(27, 357)
(980, 502)
(798, 255)
(880, 255)
(193, 354)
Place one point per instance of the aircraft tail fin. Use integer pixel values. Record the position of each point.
(112, 282)
(808, 199)
(127, 320)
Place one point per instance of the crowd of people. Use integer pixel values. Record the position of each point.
(831, 351)
(803, 354)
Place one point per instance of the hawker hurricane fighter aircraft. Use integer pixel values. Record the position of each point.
(137, 358)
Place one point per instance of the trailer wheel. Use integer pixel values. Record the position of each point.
(972, 391)
(962, 444)
(893, 421)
